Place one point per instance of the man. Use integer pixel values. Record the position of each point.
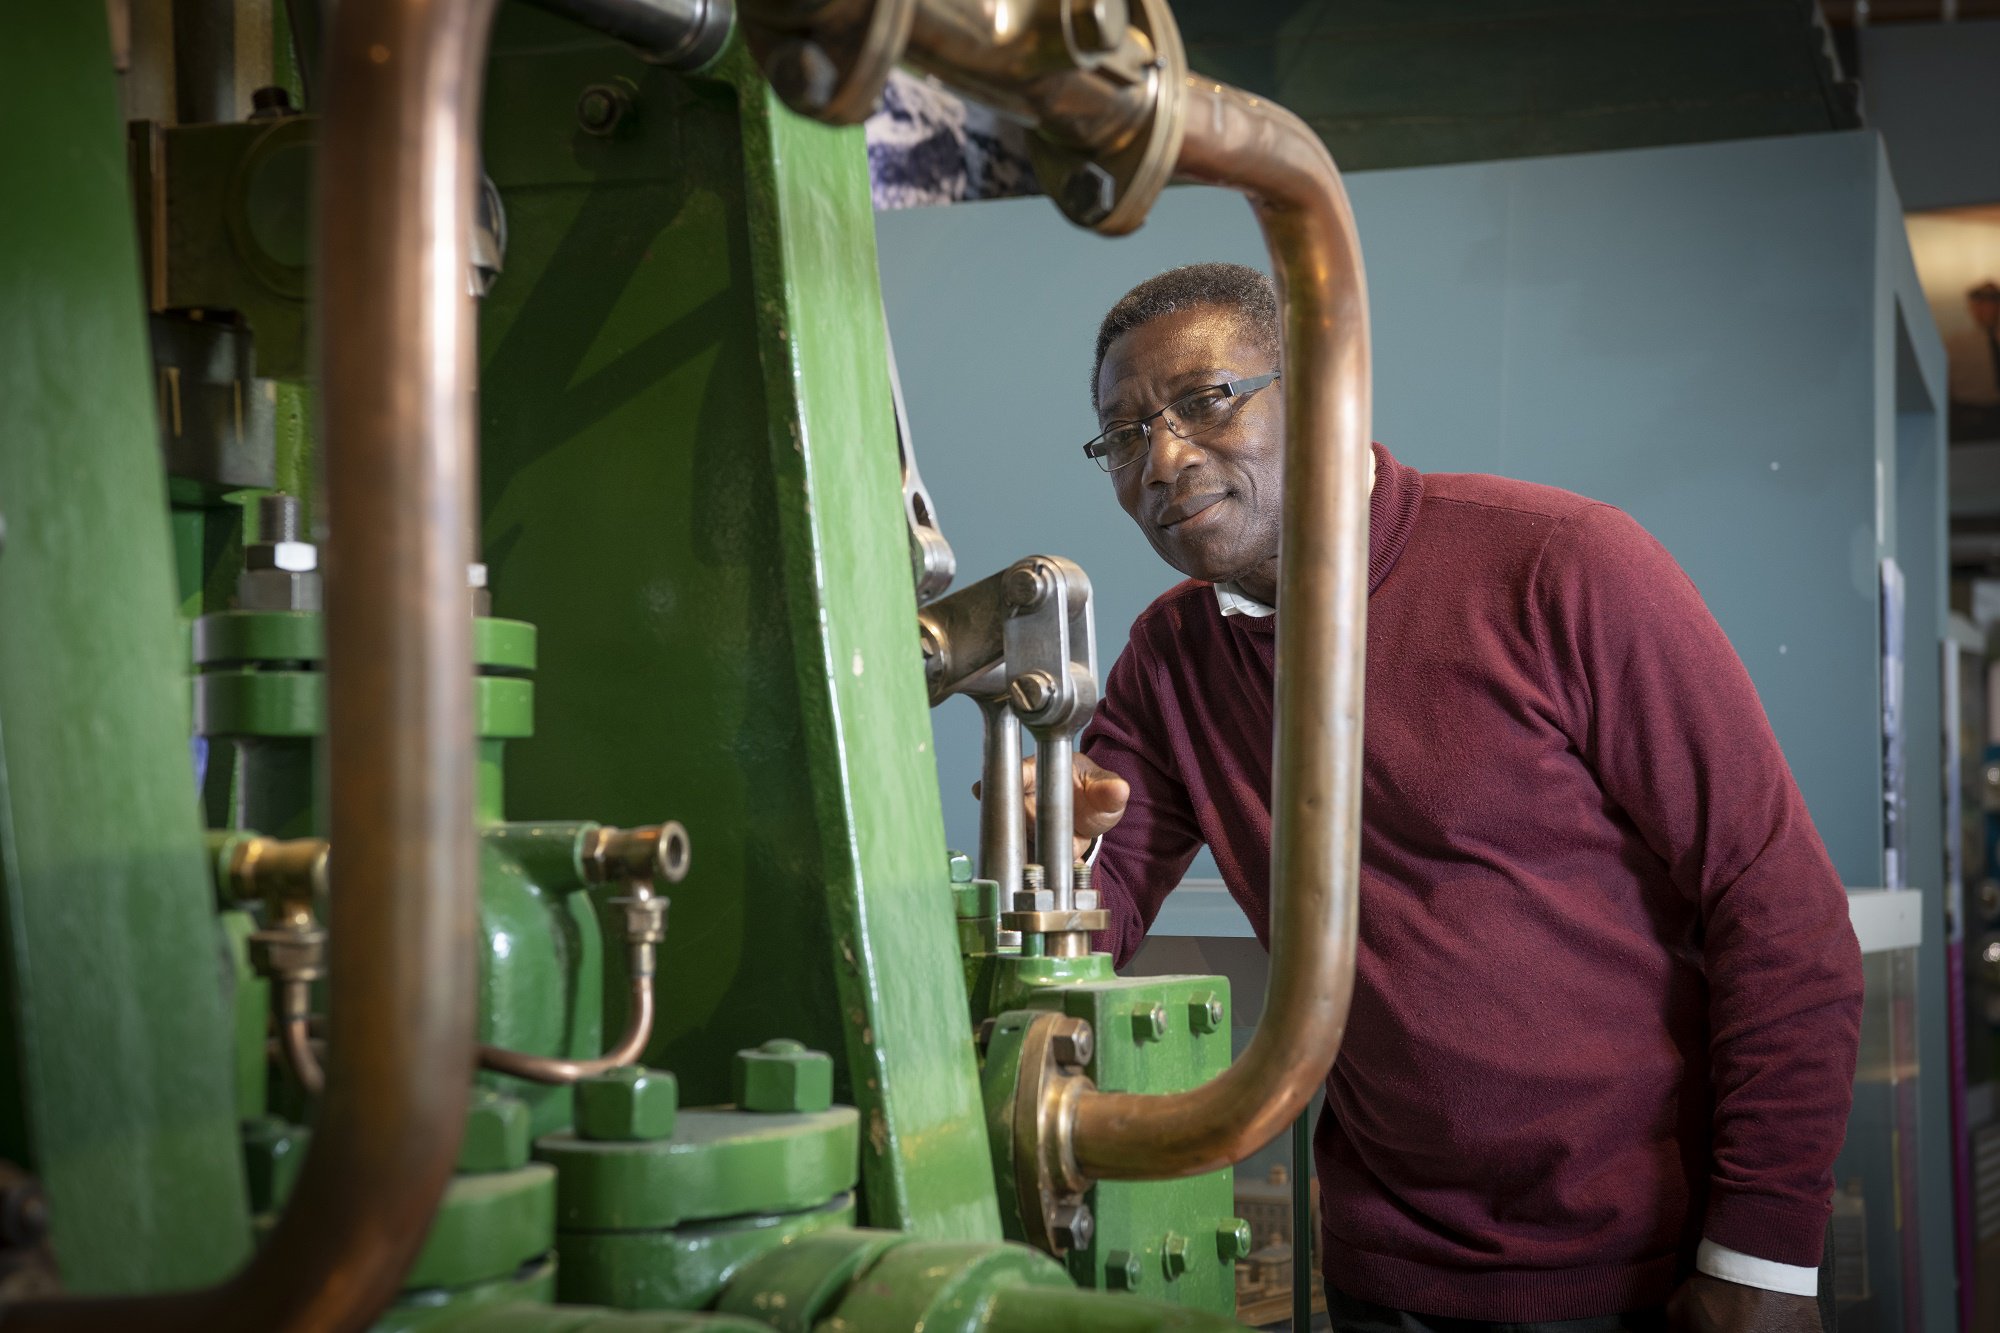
(1607, 1000)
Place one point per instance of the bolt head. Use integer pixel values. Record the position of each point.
(600, 107)
(1205, 1012)
(1174, 1255)
(1122, 1270)
(1025, 587)
(1149, 1022)
(1088, 194)
(784, 1077)
(1099, 25)
(804, 75)
(1074, 1046)
(630, 1105)
(496, 1134)
(961, 867)
(1031, 691)
(1232, 1240)
(1074, 1226)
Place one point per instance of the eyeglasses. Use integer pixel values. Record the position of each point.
(1192, 414)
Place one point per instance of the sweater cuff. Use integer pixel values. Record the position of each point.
(1785, 1231)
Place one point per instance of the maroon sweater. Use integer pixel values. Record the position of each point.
(1608, 1000)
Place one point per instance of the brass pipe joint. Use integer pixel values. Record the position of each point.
(1101, 83)
(289, 949)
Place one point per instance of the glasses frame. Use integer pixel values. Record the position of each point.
(1095, 450)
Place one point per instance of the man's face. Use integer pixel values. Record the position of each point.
(1210, 505)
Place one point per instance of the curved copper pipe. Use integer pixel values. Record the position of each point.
(401, 89)
(295, 1044)
(551, 1069)
(1242, 143)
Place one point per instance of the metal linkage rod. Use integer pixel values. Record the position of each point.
(682, 34)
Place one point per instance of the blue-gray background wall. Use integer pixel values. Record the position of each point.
(1684, 332)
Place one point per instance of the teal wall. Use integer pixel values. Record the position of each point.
(1725, 339)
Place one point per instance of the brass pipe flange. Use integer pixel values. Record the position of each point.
(1054, 1049)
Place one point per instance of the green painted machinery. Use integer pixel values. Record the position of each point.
(752, 1045)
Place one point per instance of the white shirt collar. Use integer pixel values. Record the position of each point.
(1232, 599)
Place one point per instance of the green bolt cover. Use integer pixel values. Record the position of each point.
(961, 867)
(630, 1105)
(496, 1134)
(782, 1075)
(1121, 1270)
(1174, 1254)
(1205, 1011)
(1149, 1022)
(1232, 1240)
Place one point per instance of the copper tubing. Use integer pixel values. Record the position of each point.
(1236, 141)
(295, 1047)
(400, 93)
(551, 1069)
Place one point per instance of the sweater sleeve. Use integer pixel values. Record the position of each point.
(1657, 702)
(1145, 855)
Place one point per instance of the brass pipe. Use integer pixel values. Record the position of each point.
(401, 89)
(294, 1012)
(1239, 142)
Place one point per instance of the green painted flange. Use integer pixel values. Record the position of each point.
(250, 702)
(487, 1226)
(226, 637)
(791, 1287)
(717, 1164)
(682, 1269)
(942, 1286)
(435, 1309)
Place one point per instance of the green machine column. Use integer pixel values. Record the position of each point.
(115, 1074)
(691, 486)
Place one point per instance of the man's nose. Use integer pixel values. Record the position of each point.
(1168, 455)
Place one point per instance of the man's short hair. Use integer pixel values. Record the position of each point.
(1245, 292)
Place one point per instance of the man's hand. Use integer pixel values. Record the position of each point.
(1705, 1304)
(1099, 802)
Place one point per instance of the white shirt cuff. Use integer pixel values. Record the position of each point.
(1732, 1266)
(1089, 856)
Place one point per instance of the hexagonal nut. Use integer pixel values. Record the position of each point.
(296, 954)
(1174, 1255)
(278, 590)
(643, 917)
(1122, 1270)
(496, 1133)
(1074, 1044)
(630, 1105)
(1149, 1022)
(1206, 1011)
(1232, 1240)
(1034, 900)
(783, 1076)
(960, 867)
(1073, 1226)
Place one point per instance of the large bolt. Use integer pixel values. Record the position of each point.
(1031, 691)
(1232, 1240)
(629, 1105)
(1074, 1226)
(1205, 1012)
(1087, 194)
(1098, 25)
(804, 75)
(496, 1134)
(1149, 1022)
(1122, 1270)
(960, 867)
(278, 516)
(783, 1076)
(1073, 1046)
(601, 107)
(1174, 1255)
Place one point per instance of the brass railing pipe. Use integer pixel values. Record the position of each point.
(400, 91)
(1239, 142)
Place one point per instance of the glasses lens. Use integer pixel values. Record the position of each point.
(1120, 446)
(1201, 411)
